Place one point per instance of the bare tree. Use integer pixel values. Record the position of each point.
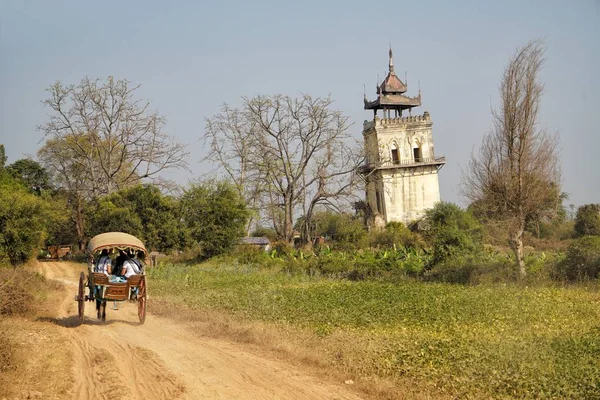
(70, 174)
(288, 153)
(116, 137)
(515, 177)
(229, 136)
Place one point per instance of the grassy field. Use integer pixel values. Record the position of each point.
(467, 341)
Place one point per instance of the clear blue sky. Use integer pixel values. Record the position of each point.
(192, 56)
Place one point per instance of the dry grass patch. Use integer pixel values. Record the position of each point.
(35, 360)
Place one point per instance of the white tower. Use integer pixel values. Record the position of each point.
(401, 169)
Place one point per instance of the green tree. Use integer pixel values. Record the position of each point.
(587, 220)
(454, 233)
(24, 221)
(216, 215)
(2, 157)
(31, 174)
(145, 212)
(106, 216)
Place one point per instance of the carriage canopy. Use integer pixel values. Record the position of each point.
(112, 240)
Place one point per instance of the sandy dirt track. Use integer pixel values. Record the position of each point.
(162, 359)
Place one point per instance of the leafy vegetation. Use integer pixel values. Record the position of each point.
(216, 215)
(142, 211)
(582, 261)
(25, 220)
(587, 220)
(455, 234)
(469, 341)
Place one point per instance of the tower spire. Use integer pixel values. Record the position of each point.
(391, 60)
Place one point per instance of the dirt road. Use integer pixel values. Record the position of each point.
(163, 359)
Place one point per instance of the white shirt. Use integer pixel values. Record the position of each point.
(129, 268)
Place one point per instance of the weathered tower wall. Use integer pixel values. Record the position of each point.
(403, 182)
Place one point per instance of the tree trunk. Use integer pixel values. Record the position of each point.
(79, 224)
(516, 244)
(288, 221)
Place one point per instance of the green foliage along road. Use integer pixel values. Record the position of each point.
(472, 342)
(25, 220)
(216, 215)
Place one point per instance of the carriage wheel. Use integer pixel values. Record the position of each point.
(141, 300)
(81, 298)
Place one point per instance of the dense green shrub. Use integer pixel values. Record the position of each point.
(396, 235)
(24, 221)
(582, 260)
(454, 233)
(587, 220)
(342, 231)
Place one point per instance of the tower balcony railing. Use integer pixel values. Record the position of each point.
(391, 164)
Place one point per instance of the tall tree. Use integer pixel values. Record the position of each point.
(2, 157)
(115, 137)
(29, 172)
(229, 135)
(294, 153)
(515, 176)
(100, 138)
(71, 177)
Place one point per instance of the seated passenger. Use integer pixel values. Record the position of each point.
(104, 264)
(129, 268)
(139, 261)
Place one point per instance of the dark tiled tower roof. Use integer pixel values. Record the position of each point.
(390, 94)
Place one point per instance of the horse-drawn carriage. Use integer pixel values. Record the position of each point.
(103, 287)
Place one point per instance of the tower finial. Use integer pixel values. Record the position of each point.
(391, 59)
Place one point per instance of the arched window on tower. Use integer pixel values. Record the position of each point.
(417, 154)
(395, 154)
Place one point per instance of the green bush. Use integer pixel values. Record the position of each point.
(396, 235)
(342, 231)
(24, 221)
(587, 220)
(582, 260)
(454, 233)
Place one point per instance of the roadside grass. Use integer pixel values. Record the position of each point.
(35, 360)
(500, 341)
